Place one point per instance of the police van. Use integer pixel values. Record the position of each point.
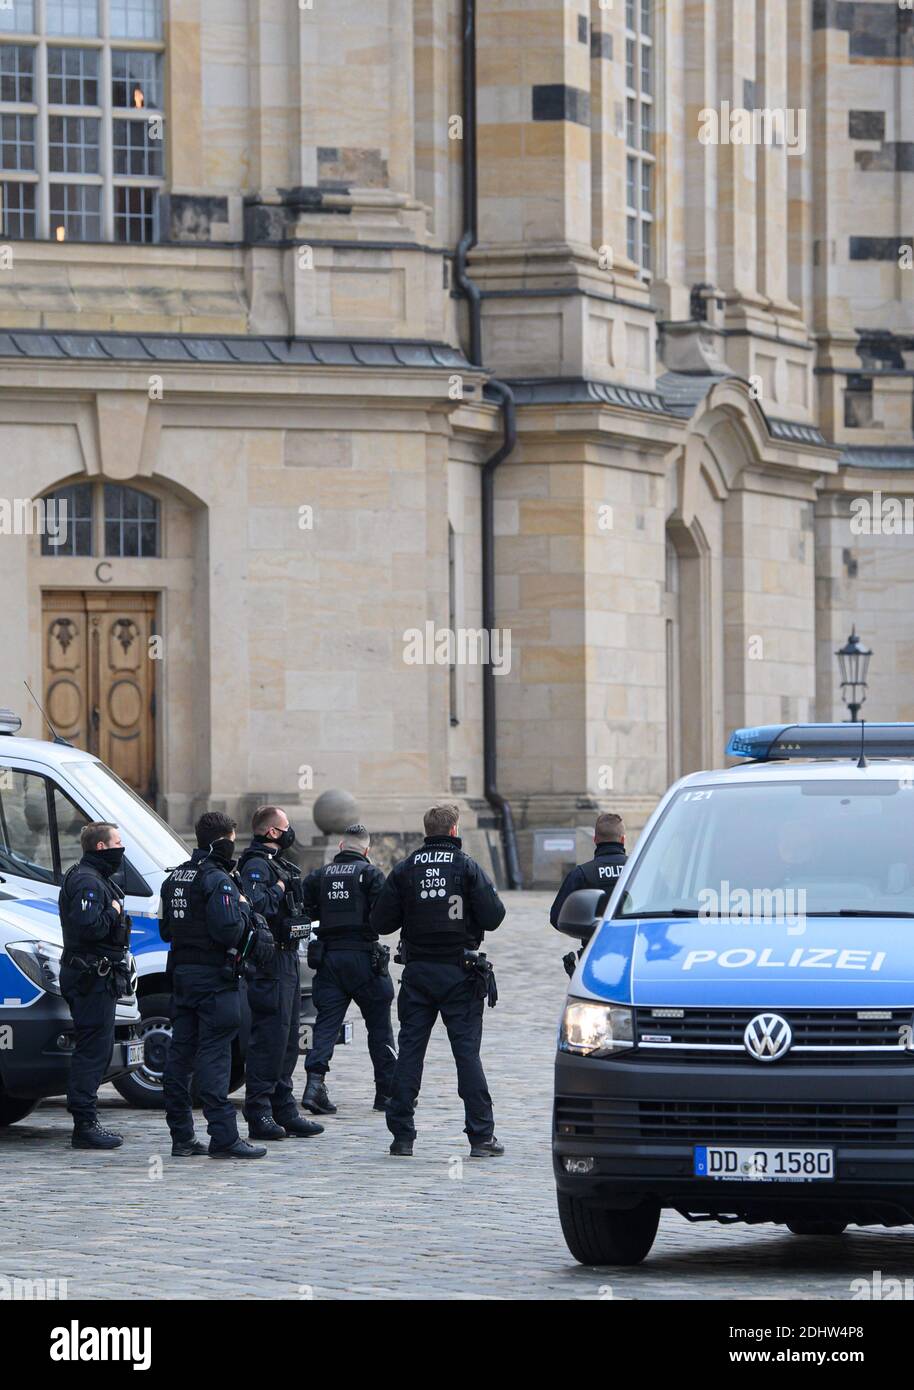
(36, 1031)
(48, 792)
(737, 1043)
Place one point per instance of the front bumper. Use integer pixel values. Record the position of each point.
(640, 1121)
(38, 1062)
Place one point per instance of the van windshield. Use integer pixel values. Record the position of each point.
(114, 799)
(779, 850)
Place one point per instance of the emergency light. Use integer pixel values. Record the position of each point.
(779, 742)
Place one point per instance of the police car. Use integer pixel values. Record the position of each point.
(36, 1031)
(48, 792)
(738, 1039)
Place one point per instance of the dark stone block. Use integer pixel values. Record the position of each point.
(601, 45)
(866, 125)
(583, 28)
(750, 95)
(556, 101)
(877, 29)
(339, 167)
(894, 157)
(189, 218)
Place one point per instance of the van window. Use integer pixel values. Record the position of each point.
(70, 821)
(26, 847)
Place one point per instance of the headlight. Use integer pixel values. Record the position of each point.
(595, 1030)
(40, 961)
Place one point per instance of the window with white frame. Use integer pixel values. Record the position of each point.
(640, 81)
(82, 124)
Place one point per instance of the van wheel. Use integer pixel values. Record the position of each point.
(598, 1236)
(817, 1228)
(12, 1109)
(143, 1088)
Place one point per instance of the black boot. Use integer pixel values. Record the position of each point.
(92, 1136)
(381, 1101)
(316, 1098)
(191, 1148)
(402, 1148)
(489, 1148)
(297, 1127)
(265, 1127)
(240, 1149)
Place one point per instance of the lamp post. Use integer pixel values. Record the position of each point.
(853, 661)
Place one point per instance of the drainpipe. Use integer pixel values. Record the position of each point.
(503, 394)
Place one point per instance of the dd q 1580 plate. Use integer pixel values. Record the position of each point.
(742, 1164)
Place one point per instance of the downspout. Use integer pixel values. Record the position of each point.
(503, 394)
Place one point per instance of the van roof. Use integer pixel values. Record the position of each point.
(42, 751)
(818, 769)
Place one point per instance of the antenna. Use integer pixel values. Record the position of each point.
(57, 738)
(861, 761)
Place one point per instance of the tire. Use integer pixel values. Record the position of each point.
(13, 1109)
(817, 1228)
(599, 1236)
(143, 1088)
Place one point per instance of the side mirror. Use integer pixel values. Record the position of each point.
(582, 911)
(131, 881)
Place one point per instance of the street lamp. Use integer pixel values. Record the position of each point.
(853, 661)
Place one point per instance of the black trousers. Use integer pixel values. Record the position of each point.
(427, 989)
(93, 1031)
(344, 976)
(275, 1002)
(206, 1016)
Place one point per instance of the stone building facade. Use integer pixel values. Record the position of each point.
(235, 337)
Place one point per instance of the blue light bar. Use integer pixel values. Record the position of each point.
(776, 742)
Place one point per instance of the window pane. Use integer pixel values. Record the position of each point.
(630, 164)
(632, 238)
(646, 68)
(73, 76)
(17, 142)
(17, 210)
(125, 534)
(73, 521)
(631, 135)
(75, 212)
(646, 16)
(73, 144)
(646, 142)
(136, 19)
(646, 246)
(630, 13)
(629, 62)
(70, 821)
(136, 79)
(136, 151)
(17, 70)
(135, 214)
(18, 20)
(25, 832)
(73, 17)
(647, 187)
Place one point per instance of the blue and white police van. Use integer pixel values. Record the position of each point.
(737, 1043)
(48, 792)
(36, 1031)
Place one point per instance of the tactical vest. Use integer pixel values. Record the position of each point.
(70, 931)
(435, 915)
(184, 918)
(603, 871)
(343, 902)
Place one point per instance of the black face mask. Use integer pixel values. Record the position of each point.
(224, 851)
(286, 839)
(112, 858)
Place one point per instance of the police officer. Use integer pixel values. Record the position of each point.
(601, 871)
(208, 922)
(351, 964)
(273, 886)
(93, 973)
(442, 902)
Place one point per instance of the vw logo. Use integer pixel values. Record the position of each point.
(767, 1037)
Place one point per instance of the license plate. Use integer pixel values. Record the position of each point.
(764, 1165)
(135, 1054)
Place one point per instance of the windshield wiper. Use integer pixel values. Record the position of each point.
(670, 912)
(859, 912)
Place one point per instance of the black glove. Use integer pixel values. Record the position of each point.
(263, 950)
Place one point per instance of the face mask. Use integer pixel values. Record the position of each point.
(113, 858)
(286, 839)
(224, 850)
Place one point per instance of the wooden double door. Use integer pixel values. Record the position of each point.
(99, 678)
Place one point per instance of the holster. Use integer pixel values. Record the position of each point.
(316, 952)
(380, 958)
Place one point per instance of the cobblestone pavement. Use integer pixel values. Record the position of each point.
(335, 1217)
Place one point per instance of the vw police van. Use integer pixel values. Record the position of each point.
(48, 792)
(36, 1031)
(738, 1039)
